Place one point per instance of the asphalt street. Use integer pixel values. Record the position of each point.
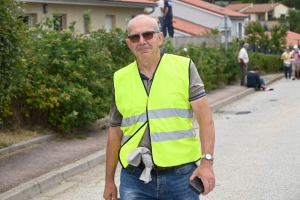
(256, 151)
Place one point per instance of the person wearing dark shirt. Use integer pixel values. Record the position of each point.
(168, 19)
(255, 81)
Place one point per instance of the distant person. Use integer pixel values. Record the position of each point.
(160, 5)
(243, 60)
(168, 19)
(296, 62)
(255, 81)
(287, 63)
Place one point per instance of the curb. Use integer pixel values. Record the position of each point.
(228, 100)
(27, 143)
(43, 183)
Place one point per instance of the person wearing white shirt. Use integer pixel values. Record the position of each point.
(243, 60)
(160, 12)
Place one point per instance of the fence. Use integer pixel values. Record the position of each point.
(184, 41)
(262, 49)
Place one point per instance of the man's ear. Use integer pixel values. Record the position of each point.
(128, 43)
(161, 38)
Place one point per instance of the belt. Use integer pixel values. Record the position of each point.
(161, 168)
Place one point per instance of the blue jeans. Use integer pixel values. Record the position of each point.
(165, 184)
(262, 81)
(287, 72)
(161, 22)
(168, 24)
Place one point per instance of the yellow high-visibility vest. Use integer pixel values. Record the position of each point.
(166, 110)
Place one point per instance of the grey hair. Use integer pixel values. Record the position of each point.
(246, 45)
(154, 22)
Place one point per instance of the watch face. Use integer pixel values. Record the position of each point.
(208, 156)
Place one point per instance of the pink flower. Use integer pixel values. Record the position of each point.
(99, 28)
(62, 32)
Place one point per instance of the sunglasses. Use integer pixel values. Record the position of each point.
(148, 35)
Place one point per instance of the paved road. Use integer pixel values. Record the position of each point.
(256, 154)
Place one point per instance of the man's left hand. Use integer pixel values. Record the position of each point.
(205, 172)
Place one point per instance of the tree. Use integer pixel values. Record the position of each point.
(278, 35)
(256, 34)
(13, 35)
(293, 18)
(291, 3)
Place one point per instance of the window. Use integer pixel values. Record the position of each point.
(30, 19)
(59, 22)
(110, 22)
(282, 16)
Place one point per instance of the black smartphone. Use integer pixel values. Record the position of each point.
(197, 185)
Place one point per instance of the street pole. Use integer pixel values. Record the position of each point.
(226, 35)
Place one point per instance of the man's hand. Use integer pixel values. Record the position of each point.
(110, 192)
(205, 172)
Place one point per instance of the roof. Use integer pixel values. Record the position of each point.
(292, 38)
(189, 27)
(213, 8)
(237, 6)
(252, 8)
(113, 3)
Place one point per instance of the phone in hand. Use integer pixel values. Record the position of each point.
(197, 185)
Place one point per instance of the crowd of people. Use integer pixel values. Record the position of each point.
(291, 63)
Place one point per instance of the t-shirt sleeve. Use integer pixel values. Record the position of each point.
(114, 115)
(196, 89)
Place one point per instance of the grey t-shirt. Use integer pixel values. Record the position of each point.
(196, 91)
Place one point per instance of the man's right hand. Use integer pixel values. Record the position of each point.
(110, 192)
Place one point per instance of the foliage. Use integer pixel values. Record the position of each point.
(70, 77)
(213, 64)
(278, 36)
(291, 3)
(293, 18)
(257, 35)
(13, 36)
(267, 63)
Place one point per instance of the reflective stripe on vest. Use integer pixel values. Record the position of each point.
(166, 110)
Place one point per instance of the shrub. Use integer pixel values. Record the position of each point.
(13, 36)
(70, 77)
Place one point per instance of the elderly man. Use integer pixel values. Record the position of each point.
(151, 130)
(243, 60)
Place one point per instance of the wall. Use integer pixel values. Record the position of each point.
(75, 13)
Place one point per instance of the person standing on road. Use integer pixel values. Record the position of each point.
(287, 64)
(243, 60)
(151, 132)
(296, 62)
(168, 19)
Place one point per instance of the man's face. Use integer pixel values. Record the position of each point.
(146, 46)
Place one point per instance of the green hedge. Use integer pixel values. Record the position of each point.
(266, 63)
(67, 80)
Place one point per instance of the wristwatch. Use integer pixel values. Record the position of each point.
(208, 157)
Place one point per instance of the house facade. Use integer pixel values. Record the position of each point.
(108, 14)
(205, 16)
(261, 12)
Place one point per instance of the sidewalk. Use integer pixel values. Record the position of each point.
(37, 168)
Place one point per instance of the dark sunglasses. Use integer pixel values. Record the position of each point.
(148, 35)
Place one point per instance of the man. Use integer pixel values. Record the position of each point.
(243, 60)
(255, 81)
(168, 19)
(296, 62)
(151, 115)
